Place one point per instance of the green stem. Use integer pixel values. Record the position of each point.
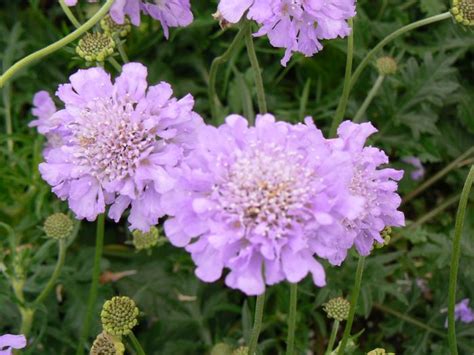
(354, 299)
(67, 11)
(26, 61)
(438, 175)
(57, 271)
(136, 344)
(115, 64)
(458, 228)
(434, 212)
(262, 103)
(121, 50)
(369, 98)
(409, 319)
(290, 343)
(332, 338)
(213, 98)
(360, 68)
(341, 107)
(6, 93)
(257, 325)
(94, 285)
(27, 315)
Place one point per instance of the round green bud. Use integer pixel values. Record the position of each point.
(95, 47)
(379, 351)
(58, 226)
(386, 66)
(106, 344)
(112, 28)
(221, 349)
(463, 11)
(337, 308)
(119, 315)
(148, 240)
(243, 350)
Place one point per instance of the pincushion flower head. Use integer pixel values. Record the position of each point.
(296, 25)
(261, 201)
(120, 141)
(377, 186)
(170, 13)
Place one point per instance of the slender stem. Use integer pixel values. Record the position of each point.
(213, 98)
(121, 50)
(341, 107)
(26, 61)
(360, 68)
(369, 98)
(67, 11)
(437, 176)
(262, 103)
(354, 299)
(94, 285)
(6, 94)
(409, 319)
(257, 325)
(57, 271)
(115, 64)
(136, 344)
(290, 343)
(332, 338)
(434, 212)
(458, 228)
(27, 315)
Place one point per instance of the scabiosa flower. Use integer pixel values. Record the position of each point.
(9, 342)
(261, 201)
(121, 140)
(376, 186)
(296, 25)
(463, 312)
(419, 171)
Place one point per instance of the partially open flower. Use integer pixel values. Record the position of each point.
(119, 315)
(106, 344)
(58, 226)
(95, 47)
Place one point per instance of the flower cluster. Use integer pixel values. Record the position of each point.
(296, 25)
(170, 13)
(114, 143)
(265, 201)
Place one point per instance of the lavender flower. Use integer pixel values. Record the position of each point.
(419, 171)
(463, 312)
(376, 186)
(119, 143)
(296, 25)
(9, 342)
(261, 201)
(171, 13)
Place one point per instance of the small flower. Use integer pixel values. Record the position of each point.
(145, 240)
(262, 201)
(337, 308)
(120, 142)
(170, 13)
(296, 25)
(386, 66)
(9, 342)
(95, 47)
(119, 315)
(419, 171)
(106, 344)
(463, 11)
(462, 312)
(112, 28)
(58, 226)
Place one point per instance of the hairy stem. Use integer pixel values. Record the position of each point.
(290, 342)
(369, 98)
(257, 325)
(456, 254)
(354, 299)
(28, 60)
(262, 104)
(332, 338)
(341, 107)
(94, 285)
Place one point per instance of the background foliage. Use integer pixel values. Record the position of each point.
(425, 110)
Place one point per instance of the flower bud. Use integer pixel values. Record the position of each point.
(148, 240)
(386, 234)
(119, 315)
(95, 47)
(58, 226)
(379, 351)
(221, 349)
(386, 66)
(243, 350)
(463, 11)
(337, 308)
(112, 28)
(106, 344)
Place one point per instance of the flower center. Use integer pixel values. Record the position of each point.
(361, 186)
(265, 190)
(109, 141)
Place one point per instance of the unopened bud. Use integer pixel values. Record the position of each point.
(386, 235)
(243, 350)
(112, 28)
(221, 349)
(95, 47)
(386, 66)
(58, 226)
(148, 240)
(337, 308)
(119, 315)
(106, 344)
(379, 351)
(463, 11)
